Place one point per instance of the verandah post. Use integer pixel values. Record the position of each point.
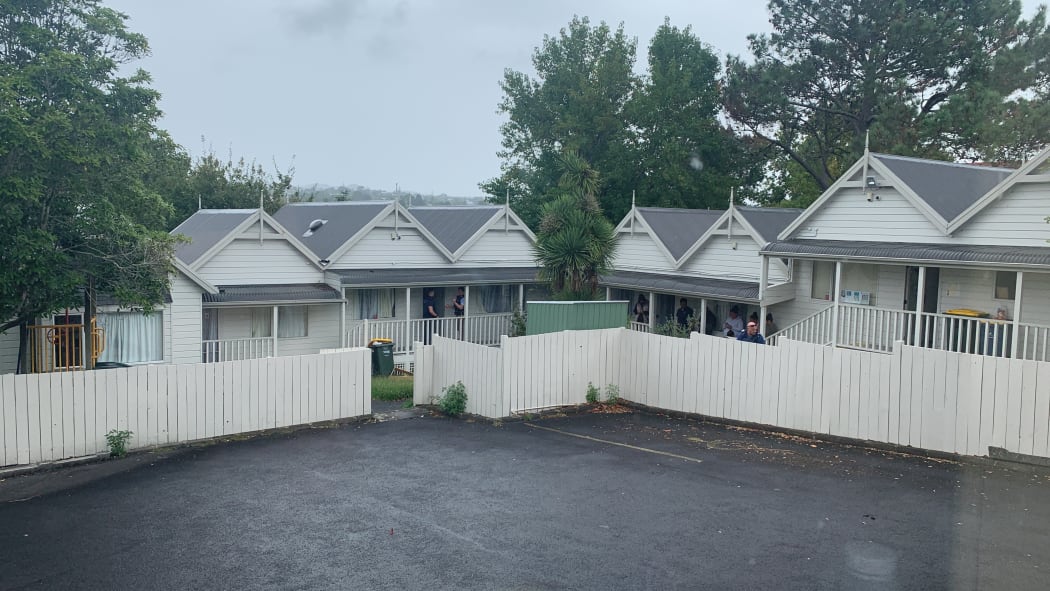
(835, 310)
(1017, 314)
(920, 296)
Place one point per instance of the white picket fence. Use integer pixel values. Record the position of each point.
(48, 417)
(924, 398)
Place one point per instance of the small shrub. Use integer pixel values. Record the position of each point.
(671, 328)
(453, 401)
(518, 324)
(118, 442)
(612, 394)
(592, 394)
(407, 403)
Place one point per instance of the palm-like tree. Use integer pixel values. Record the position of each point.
(575, 244)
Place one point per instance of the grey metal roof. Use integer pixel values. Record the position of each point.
(679, 229)
(293, 292)
(947, 187)
(967, 254)
(206, 228)
(438, 276)
(344, 220)
(453, 226)
(683, 285)
(769, 222)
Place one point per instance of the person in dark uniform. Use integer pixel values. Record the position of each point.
(430, 313)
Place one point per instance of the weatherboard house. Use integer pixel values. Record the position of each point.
(934, 254)
(317, 276)
(709, 257)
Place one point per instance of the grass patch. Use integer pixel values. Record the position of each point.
(391, 388)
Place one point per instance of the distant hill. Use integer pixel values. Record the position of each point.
(320, 193)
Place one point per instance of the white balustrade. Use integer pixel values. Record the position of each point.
(483, 329)
(236, 349)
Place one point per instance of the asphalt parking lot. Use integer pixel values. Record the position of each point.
(617, 501)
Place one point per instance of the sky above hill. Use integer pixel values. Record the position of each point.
(375, 92)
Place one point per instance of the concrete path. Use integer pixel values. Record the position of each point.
(630, 501)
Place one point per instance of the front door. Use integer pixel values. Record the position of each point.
(930, 291)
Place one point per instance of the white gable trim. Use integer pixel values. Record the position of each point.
(999, 190)
(426, 233)
(873, 164)
(245, 226)
(352, 240)
(194, 277)
(935, 218)
(824, 198)
(704, 238)
(503, 214)
(625, 228)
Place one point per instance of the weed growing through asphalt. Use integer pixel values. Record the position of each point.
(592, 394)
(407, 403)
(453, 401)
(118, 442)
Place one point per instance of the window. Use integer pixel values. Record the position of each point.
(823, 281)
(493, 299)
(1005, 285)
(262, 323)
(291, 321)
(132, 337)
(374, 303)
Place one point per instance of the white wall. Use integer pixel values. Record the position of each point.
(639, 253)
(322, 332)
(497, 248)
(246, 262)
(183, 340)
(718, 258)
(974, 289)
(850, 216)
(49, 417)
(9, 351)
(377, 251)
(1018, 218)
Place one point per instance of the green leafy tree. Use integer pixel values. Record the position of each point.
(575, 243)
(931, 78)
(217, 183)
(77, 146)
(574, 104)
(682, 153)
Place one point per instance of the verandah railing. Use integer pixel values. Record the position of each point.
(483, 329)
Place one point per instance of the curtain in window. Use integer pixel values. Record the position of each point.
(368, 303)
(495, 299)
(291, 321)
(132, 337)
(262, 323)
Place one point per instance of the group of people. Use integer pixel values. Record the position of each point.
(733, 327)
(458, 305)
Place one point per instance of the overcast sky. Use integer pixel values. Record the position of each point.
(375, 92)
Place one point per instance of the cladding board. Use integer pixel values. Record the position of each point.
(48, 417)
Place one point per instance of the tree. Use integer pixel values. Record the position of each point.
(214, 183)
(575, 243)
(575, 104)
(77, 143)
(932, 78)
(684, 156)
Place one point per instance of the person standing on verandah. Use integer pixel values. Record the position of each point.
(459, 306)
(684, 314)
(734, 325)
(751, 335)
(429, 314)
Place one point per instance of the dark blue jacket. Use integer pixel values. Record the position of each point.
(758, 338)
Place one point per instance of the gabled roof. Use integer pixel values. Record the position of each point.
(454, 226)
(948, 188)
(1034, 169)
(345, 220)
(678, 229)
(206, 228)
(768, 222)
(433, 276)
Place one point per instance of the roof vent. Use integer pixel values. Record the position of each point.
(314, 226)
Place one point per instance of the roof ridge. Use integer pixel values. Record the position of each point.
(970, 166)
